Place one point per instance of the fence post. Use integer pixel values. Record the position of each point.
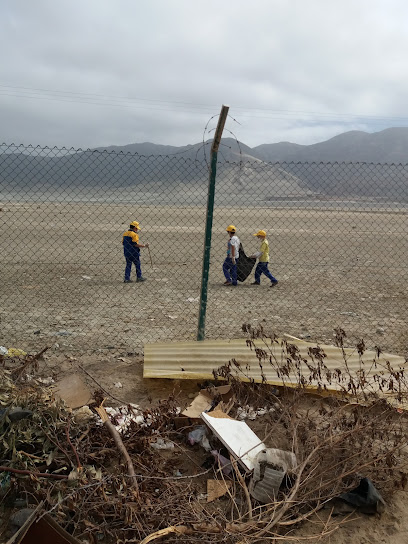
(208, 226)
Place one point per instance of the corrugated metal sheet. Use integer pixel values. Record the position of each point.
(197, 360)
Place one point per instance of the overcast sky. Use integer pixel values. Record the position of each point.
(87, 73)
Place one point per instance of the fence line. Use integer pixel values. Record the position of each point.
(337, 234)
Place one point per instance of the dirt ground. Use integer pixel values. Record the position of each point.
(127, 369)
(62, 286)
(62, 276)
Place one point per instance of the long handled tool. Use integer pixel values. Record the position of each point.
(150, 255)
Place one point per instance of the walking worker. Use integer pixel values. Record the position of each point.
(262, 266)
(230, 264)
(131, 249)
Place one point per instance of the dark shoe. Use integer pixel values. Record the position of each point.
(227, 283)
(140, 279)
(128, 281)
(255, 283)
(274, 283)
(234, 284)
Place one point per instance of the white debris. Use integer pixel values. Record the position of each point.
(118, 385)
(45, 381)
(86, 277)
(202, 496)
(248, 412)
(192, 299)
(83, 415)
(123, 416)
(162, 444)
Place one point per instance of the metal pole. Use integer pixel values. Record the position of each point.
(208, 226)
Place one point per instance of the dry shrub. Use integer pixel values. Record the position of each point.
(335, 438)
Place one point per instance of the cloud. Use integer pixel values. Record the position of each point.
(94, 73)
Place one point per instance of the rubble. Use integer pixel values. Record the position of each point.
(260, 462)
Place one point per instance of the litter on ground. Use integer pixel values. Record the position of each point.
(241, 461)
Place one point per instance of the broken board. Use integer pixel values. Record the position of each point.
(237, 437)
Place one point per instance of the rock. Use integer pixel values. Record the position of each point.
(19, 518)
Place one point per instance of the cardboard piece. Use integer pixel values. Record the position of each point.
(217, 488)
(41, 529)
(203, 402)
(237, 437)
(73, 391)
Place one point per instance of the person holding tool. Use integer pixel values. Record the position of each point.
(230, 264)
(262, 266)
(131, 249)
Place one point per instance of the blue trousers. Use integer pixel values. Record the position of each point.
(230, 271)
(262, 268)
(135, 259)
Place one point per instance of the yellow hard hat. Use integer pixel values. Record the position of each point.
(135, 224)
(231, 228)
(260, 233)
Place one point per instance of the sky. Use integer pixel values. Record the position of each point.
(90, 73)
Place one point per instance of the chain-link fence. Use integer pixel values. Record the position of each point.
(337, 233)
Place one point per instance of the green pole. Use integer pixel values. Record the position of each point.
(209, 222)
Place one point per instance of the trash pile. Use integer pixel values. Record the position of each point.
(242, 462)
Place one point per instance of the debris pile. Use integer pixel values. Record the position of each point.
(243, 462)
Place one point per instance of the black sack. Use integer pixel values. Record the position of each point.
(244, 264)
(365, 497)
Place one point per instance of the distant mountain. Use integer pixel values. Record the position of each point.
(230, 150)
(387, 146)
(243, 174)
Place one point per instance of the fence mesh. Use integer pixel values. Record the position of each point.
(337, 234)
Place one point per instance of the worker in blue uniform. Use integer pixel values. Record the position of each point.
(131, 249)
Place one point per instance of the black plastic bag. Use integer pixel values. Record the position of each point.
(364, 497)
(244, 264)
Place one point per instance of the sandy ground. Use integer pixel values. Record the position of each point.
(62, 286)
(62, 276)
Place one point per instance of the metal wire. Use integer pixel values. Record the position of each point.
(337, 234)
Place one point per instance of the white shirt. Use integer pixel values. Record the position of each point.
(233, 241)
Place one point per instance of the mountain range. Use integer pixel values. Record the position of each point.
(353, 164)
(387, 146)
